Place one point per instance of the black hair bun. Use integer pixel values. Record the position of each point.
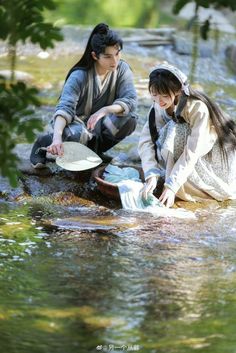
(102, 28)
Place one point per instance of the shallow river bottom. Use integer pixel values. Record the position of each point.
(108, 280)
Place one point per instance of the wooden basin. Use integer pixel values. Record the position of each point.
(109, 189)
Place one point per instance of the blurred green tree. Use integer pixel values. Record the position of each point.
(122, 13)
(20, 20)
(23, 19)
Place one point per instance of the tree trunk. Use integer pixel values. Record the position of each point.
(12, 58)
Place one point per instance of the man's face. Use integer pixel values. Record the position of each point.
(109, 60)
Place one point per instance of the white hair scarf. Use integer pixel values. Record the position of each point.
(178, 74)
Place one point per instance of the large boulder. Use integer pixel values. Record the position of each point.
(19, 75)
(46, 181)
(183, 46)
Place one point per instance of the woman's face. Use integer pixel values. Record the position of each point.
(109, 60)
(165, 101)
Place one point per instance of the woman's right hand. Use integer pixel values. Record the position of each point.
(149, 187)
(56, 148)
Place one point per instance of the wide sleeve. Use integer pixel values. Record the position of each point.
(70, 95)
(126, 95)
(199, 143)
(146, 150)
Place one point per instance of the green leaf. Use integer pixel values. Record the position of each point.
(17, 102)
(179, 5)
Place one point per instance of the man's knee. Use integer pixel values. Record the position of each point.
(127, 128)
(120, 127)
(71, 133)
(109, 132)
(44, 140)
(76, 132)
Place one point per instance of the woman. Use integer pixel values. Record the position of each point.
(188, 141)
(98, 100)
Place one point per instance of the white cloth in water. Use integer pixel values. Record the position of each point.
(131, 199)
(130, 185)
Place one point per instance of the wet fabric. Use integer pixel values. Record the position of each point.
(130, 185)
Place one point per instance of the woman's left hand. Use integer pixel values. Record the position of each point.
(93, 119)
(168, 197)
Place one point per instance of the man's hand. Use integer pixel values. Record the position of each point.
(93, 119)
(168, 197)
(56, 148)
(149, 187)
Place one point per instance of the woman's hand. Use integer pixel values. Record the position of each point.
(149, 187)
(93, 119)
(56, 148)
(168, 197)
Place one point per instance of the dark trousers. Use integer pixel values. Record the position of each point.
(108, 132)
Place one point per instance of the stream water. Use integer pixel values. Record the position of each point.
(83, 277)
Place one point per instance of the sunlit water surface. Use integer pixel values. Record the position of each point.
(116, 279)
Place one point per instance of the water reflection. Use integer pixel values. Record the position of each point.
(165, 285)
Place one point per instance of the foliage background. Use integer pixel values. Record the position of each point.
(20, 21)
(122, 13)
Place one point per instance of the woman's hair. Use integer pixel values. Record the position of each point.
(164, 82)
(100, 38)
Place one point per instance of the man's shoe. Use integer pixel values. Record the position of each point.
(38, 157)
(38, 165)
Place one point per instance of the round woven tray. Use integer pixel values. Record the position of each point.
(109, 189)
